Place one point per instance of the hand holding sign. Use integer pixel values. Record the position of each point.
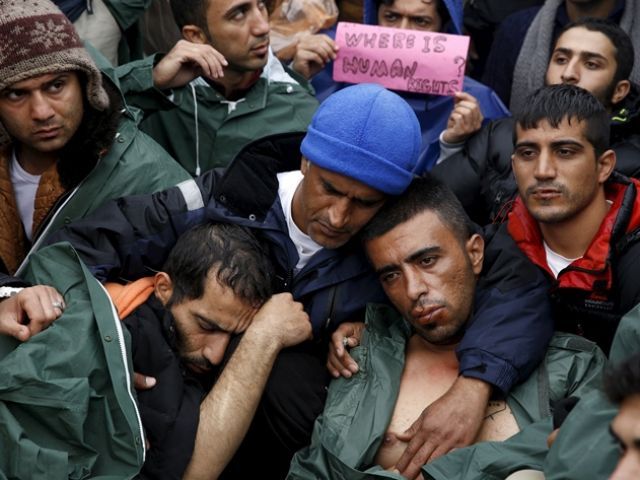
(408, 60)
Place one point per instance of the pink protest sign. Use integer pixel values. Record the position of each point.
(409, 60)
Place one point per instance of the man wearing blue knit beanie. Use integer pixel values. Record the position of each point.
(361, 148)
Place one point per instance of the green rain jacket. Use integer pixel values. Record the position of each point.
(67, 405)
(134, 165)
(584, 448)
(351, 429)
(201, 128)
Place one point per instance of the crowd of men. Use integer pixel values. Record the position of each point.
(216, 265)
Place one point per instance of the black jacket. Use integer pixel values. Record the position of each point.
(481, 175)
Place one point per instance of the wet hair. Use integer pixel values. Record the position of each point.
(623, 380)
(191, 12)
(441, 8)
(230, 252)
(423, 194)
(554, 103)
(624, 54)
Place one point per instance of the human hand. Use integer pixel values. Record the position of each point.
(143, 382)
(313, 52)
(339, 362)
(452, 421)
(186, 61)
(30, 311)
(281, 320)
(465, 118)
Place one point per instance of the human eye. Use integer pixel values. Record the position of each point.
(389, 277)
(422, 22)
(56, 86)
(262, 5)
(13, 95)
(559, 59)
(565, 152)
(525, 153)
(592, 65)
(427, 261)
(391, 17)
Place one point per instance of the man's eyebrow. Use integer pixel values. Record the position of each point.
(566, 51)
(525, 144)
(566, 142)
(331, 188)
(412, 258)
(237, 6)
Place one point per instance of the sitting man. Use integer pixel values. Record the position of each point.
(307, 199)
(219, 88)
(214, 289)
(429, 261)
(622, 385)
(575, 218)
(67, 141)
(594, 54)
(214, 286)
(452, 117)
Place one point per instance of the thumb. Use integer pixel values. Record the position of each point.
(410, 432)
(18, 331)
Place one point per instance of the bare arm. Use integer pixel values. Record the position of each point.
(227, 411)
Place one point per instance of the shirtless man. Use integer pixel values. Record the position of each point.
(430, 264)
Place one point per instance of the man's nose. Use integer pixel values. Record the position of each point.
(260, 26)
(570, 75)
(215, 349)
(545, 166)
(41, 109)
(339, 213)
(415, 284)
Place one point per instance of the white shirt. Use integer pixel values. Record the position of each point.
(557, 262)
(306, 247)
(25, 187)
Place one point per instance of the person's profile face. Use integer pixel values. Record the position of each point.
(428, 274)
(586, 59)
(556, 170)
(331, 208)
(44, 112)
(411, 15)
(626, 429)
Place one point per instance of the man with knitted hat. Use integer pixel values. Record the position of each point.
(59, 158)
(361, 148)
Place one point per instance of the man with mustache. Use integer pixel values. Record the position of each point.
(219, 88)
(429, 261)
(576, 218)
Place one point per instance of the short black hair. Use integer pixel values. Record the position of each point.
(238, 259)
(623, 380)
(620, 40)
(423, 194)
(441, 8)
(191, 12)
(554, 103)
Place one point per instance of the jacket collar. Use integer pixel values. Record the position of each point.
(592, 272)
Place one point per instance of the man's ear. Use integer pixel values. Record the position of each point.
(163, 287)
(621, 90)
(606, 164)
(194, 34)
(475, 251)
(304, 165)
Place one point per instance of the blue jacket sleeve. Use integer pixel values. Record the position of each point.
(512, 322)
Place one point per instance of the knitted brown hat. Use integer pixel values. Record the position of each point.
(35, 39)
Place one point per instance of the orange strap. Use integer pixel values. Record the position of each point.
(127, 298)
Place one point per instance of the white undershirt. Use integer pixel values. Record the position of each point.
(557, 262)
(306, 247)
(25, 187)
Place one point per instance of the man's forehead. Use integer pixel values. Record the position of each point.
(349, 185)
(588, 42)
(38, 80)
(544, 129)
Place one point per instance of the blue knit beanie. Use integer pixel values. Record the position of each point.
(367, 133)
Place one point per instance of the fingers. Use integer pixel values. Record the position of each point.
(416, 455)
(313, 52)
(465, 119)
(143, 382)
(339, 362)
(186, 61)
(39, 306)
(344, 365)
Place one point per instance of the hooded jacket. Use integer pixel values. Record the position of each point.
(132, 164)
(432, 110)
(135, 235)
(480, 172)
(591, 295)
(199, 127)
(350, 431)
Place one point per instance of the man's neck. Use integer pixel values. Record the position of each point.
(571, 238)
(600, 9)
(34, 162)
(234, 85)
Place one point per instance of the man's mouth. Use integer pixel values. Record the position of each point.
(545, 193)
(49, 132)
(330, 231)
(261, 48)
(424, 315)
